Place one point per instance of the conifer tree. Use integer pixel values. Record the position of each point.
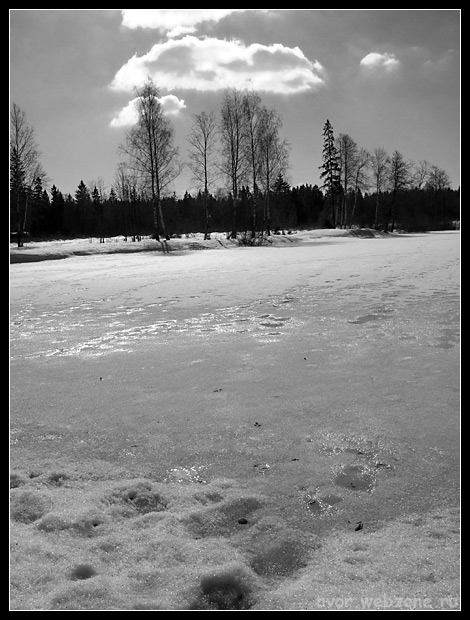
(281, 190)
(98, 207)
(82, 200)
(330, 170)
(57, 208)
(82, 195)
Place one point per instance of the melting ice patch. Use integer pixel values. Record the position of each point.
(115, 333)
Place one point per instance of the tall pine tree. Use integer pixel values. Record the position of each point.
(330, 170)
(99, 212)
(83, 201)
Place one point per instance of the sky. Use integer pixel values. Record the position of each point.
(387, 78)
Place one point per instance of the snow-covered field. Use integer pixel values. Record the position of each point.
(255, 428)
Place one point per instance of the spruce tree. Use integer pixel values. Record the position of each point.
(82, 195)
(83, 201)
(99, 213)
(57, 209)
(330, 170)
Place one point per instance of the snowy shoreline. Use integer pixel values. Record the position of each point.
(62, 248)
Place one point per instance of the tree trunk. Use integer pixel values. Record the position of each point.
(205, 203)
(233, 234)
(206, 216)
(156, 233)
(267, 214)
(162, 221)
(159, 223)
(351, 215)
(332, 200)
(253, 217)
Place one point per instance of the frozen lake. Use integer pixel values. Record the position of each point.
(318, 381)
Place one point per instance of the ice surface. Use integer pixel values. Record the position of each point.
(183, 424)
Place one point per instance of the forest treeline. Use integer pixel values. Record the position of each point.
(92, 215)
(240, 162)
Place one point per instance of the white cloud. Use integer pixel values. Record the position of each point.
(172, 104)
(210, 64)
(174, 22)
(376, 60)
(129, 115)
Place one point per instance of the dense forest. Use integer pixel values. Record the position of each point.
(240, 163)
(302, 207)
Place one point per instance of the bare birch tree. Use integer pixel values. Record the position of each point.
(360, 177)
(203, 143)
(252, 110)
(347, 153)
(150, 147)
(127, 189)
(438, 179)
(379, 167)
(273, 157)
(421, 173)
(399, 180)
(439, 184)
(233, 137)
(25, 167)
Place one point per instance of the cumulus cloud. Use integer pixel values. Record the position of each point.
(174, 22)
(172, 104)
(375, 60)
(129, 115)
(210, 64)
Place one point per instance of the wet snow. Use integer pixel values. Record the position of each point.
(193, 423)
